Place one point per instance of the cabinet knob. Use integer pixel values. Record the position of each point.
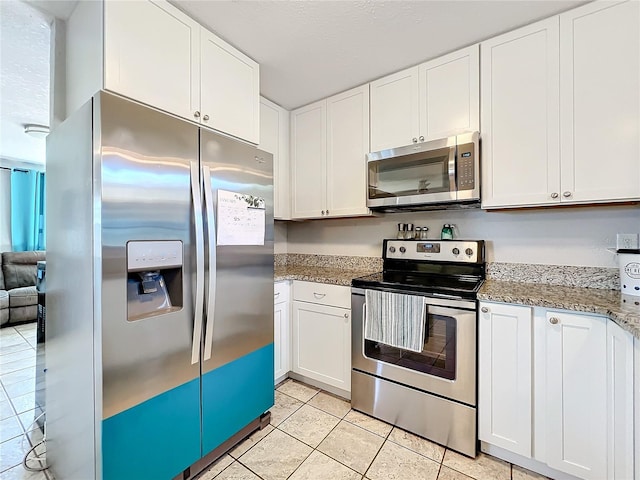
(554, 195)
(415, 140)
(553, 320)
(322, 212)
(421, 138)
(484, 310)
(205, 118)
(327, 212)
(566, 194)
(346, 315)
(196, 114)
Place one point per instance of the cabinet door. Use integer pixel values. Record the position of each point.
(230, 89)
(600, 109)
(520, 115)
(281, 343)
(150, 50)
(450, 94)
(347, 147)
(394, 110)
(619, 403)
(322, 343)
(274, 138)
(576, 404)
(308, 159)
(505, 377)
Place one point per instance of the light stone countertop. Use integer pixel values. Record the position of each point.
(310, 273)
(623, 310)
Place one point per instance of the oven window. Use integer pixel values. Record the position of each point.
(438, 356)
(405, 176)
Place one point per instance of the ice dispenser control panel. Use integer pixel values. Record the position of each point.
(154, 255)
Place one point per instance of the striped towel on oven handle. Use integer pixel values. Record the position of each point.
(395, 319)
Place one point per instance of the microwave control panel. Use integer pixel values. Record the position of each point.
(466, 167)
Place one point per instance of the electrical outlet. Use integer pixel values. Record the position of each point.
(627, 241)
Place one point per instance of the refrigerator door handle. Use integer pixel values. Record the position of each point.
(211, 229)
(199, 231)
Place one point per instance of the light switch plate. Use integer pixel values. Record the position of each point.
(627, 241)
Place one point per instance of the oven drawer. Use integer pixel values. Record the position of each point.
(322, 293)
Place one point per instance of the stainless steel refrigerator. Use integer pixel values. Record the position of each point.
(159, 295)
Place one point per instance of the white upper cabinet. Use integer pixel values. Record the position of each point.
(274, 138)
(308, 158)
(329, 143)
(600, 102)
(347, 147)
(151, 52)
(561, 109)
(230, 89)
(433, 100)
(394, 110)
(450, 94)
(520, 117)
(150, 48)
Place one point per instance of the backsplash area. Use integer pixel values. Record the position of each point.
(579, 236)
(570, 276)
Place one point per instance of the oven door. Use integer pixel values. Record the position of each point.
(412, 175)
(447, 364)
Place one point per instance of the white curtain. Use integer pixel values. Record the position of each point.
(5, 209)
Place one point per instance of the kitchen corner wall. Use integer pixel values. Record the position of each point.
(553, 236)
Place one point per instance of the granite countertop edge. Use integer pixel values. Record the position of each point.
(607, 303)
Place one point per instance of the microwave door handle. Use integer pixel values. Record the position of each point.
(452, 169)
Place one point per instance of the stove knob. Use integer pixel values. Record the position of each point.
(402, 249)
(392, 249)
(468, 251)
(455, 251)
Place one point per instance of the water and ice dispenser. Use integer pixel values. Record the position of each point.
(154, 278)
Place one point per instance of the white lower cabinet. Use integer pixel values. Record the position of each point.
(281, 330)
(505, 382)
(565, 405)
(321, 341)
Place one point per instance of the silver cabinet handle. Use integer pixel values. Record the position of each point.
(554, 195)
(415, 140)
(421, 138)
(553, 320)
(484, 310)
(205, 118)
(196, 114)
(319, 295)
(199, 241)
(566, 194)
(346, 315)
(211, 236)
(276, 295)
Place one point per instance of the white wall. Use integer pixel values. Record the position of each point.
(280, 237)
(553, 236)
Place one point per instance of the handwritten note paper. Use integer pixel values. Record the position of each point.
(241, 219)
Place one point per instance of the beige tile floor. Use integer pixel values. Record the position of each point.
(316, 436)
(313, 436)
(17, 401)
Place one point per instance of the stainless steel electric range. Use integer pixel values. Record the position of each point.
(432, 392)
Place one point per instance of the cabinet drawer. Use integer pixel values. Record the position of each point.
(322, 293)
(280, 292)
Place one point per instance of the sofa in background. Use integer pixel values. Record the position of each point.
(18, 295)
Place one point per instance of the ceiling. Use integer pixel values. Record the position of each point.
(24, 80)
(307, 50)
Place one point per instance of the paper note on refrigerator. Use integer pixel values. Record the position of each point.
(241, 219)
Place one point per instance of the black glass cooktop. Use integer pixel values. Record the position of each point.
(459, 286)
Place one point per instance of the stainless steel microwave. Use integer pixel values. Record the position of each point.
(441, 173)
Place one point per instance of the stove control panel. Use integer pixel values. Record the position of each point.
(470, 251)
